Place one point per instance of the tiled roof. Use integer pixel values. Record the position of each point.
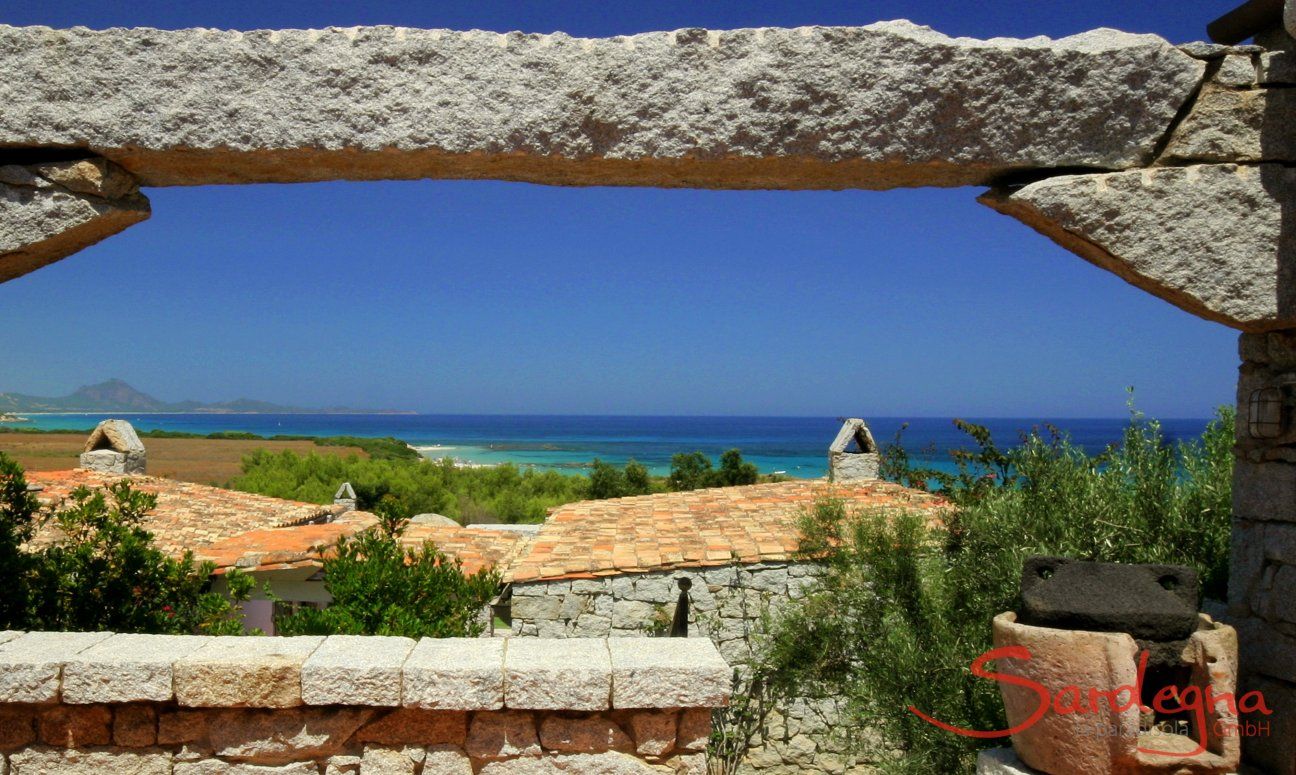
(476, 547)
(719, 526)
(187, 516)
(302, 546)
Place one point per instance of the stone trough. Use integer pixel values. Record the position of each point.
(1127, 664)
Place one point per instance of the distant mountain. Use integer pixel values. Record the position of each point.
(117, 396)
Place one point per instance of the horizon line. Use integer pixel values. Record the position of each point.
(411, 413)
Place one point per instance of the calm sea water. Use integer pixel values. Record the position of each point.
(796, 446)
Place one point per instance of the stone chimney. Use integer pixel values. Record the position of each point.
(345, 497)
(853, 456)
(114, 448)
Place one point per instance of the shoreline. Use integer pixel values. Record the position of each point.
(570, 445)
(218, 412)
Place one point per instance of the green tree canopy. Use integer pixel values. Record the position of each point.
(694, 471)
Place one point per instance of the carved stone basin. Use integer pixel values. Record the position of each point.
(1089, 702)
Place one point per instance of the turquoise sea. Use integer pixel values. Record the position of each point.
(796, 446)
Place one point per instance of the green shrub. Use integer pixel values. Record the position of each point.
(103, 571)
(608, 481)
(380, 587)
(18, 509)
(694, 471)
(383, 448)
(638, 482)
(499, 493)
(906, 606)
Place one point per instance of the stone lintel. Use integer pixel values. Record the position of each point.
(50, 211)
(1214, 239)
(812, 107)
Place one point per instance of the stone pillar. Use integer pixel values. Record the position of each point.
(1262, 577)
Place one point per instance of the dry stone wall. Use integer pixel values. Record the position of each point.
(1262, 577)
(103, 704)
(726, 603)
(726, 606)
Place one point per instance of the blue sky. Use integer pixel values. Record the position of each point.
(456, 296)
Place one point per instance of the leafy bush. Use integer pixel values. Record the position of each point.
(493, 494)
(18, 509)
(499, 493)
(906, 605)
(103, 571)
(608, 481)
(380, 587)
(693, 471)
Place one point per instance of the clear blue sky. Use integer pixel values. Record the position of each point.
(451, 296)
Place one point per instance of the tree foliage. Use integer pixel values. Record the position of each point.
(102, 571)
(694, 471)
(906, 605)
(608, 481)
(494, 494)
(381, 587)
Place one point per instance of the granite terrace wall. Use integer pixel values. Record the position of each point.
(726, 606)
(1262, 580)
(101, 704)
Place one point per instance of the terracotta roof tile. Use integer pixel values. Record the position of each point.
(260, 550)
(187, 516)
(580, 540)
(699, 528)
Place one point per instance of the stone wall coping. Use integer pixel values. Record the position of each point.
(31, 665)
(668, 673)
(127, 668)
(277, 672)
(455, 674)
(552, 674)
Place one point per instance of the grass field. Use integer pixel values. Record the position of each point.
(205, 461)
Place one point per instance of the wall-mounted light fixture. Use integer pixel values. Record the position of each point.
(1267, 413)
(679, 622)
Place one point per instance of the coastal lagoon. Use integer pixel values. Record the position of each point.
(795, 446)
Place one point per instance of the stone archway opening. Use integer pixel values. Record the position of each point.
(1168, 166)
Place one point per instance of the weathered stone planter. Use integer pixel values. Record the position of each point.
(1105, 739)
(1091, 702)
